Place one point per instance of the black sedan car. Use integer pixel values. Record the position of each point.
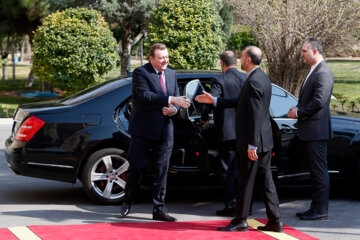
(85, 137)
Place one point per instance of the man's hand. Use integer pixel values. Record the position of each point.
(252, 154)
(180, 101)
(205, 98)
(168, 111)
(292, 112)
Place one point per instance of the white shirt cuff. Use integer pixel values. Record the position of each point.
(215, 101)
(252, 147)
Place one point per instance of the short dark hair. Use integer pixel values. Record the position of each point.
(155, 47)
(228, 58)
(254, 53)
(315, 44)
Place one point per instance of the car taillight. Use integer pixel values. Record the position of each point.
(29, 128)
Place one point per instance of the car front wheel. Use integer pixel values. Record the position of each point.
(104, 176)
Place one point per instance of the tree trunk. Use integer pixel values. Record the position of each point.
(30, 79)
(4, 66)
(125, 57)
(13, 56)
(4, 72)
(22, 49)
(28, 52)
(127, 43)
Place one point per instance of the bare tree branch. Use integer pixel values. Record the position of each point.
(281, 27)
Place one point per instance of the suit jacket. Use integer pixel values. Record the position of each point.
(227, 85)
(146, 119)
(313, 107)
(253, 124)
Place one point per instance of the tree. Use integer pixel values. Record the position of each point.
(227, 15)
(19, 18)
(240, 40)
(281, 27)
(129, 19)
(73, 49)
(192, 31)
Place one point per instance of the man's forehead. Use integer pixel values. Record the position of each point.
(161, 52)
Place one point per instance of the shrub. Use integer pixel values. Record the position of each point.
(240, 40)
(73, 49)
(192, 31)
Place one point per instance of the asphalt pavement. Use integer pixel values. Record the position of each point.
(30, 201)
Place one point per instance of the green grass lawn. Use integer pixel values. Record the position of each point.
(347, 77)
(346, 73)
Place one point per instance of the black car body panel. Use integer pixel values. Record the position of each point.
(79, 127)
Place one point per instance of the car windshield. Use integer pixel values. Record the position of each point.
(94, 91)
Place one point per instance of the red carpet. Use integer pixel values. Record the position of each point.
(6, 234)
(159, 231)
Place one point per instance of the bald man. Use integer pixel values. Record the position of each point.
(254, 142)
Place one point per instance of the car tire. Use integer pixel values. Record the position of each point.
(104, 176)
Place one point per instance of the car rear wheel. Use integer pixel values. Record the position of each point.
(104, 176)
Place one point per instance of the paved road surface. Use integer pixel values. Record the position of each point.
(30, 201)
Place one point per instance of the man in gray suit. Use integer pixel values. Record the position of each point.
(313, 114)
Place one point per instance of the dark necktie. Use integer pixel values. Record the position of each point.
(162, 82)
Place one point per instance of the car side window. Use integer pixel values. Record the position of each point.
(281, 102)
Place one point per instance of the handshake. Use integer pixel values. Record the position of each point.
(179, 101)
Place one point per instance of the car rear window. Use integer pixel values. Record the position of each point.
(95, 91)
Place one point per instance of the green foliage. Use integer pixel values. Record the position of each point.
(73, 49)
(21, 16)
(351, 105)
(239, 40)
(6, 111)
(192, 31)
(227, 15)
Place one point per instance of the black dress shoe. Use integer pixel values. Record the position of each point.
(226, 212)
(124, 209)
(161, 215)
(299, 214)
(314, 216)
(276, 226)
(236, 224)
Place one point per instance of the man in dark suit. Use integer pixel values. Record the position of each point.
(228, 85)
(154, 94)
(254, 142)
(314, 124)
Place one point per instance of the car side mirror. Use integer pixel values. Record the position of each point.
(192, 89)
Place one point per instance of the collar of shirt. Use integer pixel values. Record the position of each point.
(248, 74)
(311, 70)
(315, 65)
(162, 73)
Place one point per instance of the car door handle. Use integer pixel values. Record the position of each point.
(286, 129)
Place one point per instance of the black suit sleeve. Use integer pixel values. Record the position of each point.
(216, 91)
(226, 102)
(322, 92)
(143, 89)
(256, 112)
